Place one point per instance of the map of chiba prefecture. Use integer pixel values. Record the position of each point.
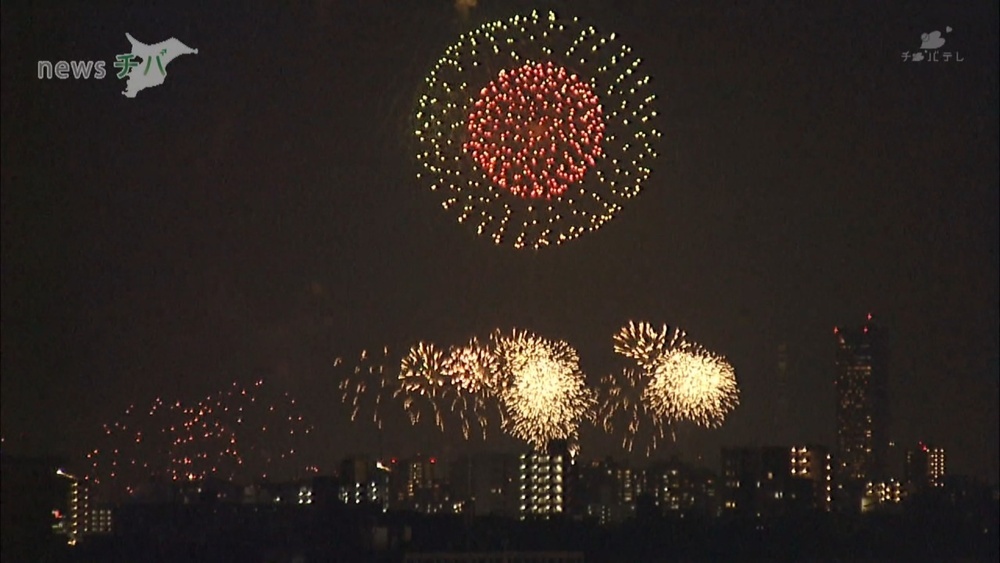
(146, 65)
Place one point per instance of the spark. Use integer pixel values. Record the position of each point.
(473, 373)
(367, 388)
(472, 367)
(227, 435)
(672, 380)
(623, 412)
(641, 342)
(422, 382)
(690, 383)
(535, 130)
(543, 391)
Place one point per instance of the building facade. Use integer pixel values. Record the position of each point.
(925, 467)
(486, 484)
(681, 489)
(862, 411)
(363, 481)
(546, 480)
(774, 481)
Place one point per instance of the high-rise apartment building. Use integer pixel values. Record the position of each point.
(545, 481)
(862, 410)
(76, 521)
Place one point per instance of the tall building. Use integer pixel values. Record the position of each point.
(862, 410)
(546, 481)
(630, 484)
(76, 522)
(925, 467)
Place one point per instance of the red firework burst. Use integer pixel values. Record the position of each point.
(535, 130)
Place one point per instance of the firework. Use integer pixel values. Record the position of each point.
(204, 443)
(690, 383)
(622, 406)
(673, 380)
(543, 392)
(271, 433)
(641, 342)
(135, 448)
(622, 410)
(422, 382)
(453, 387)
(535, 130)
(233, 434)
(472, 367)
(368, 387)
(473, 373)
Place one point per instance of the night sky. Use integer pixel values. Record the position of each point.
(257, 215)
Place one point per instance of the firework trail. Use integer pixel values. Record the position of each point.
(455, 387)
(621, 408)
(473, 373)
(422, 382)
(473, 367)
(205, 442)
(273, 433)
(369, 386)
(535, 130)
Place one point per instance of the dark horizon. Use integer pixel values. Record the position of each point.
(257, 216)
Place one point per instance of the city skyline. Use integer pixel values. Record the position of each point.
(553, 483)
(211, 230)
(515, 502)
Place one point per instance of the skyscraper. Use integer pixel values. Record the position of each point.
(862, 409)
